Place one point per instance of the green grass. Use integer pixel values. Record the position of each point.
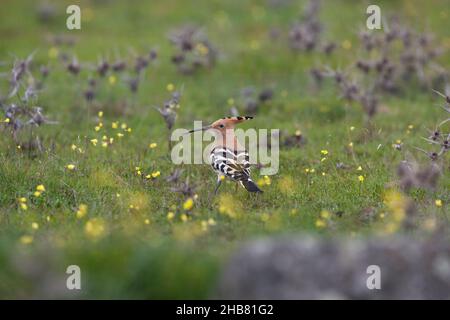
(172, 258)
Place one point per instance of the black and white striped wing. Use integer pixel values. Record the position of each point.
(232, 164)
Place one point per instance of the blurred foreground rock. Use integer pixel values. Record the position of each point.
(312, 268)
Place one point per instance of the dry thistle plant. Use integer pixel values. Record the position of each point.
(438, 139)
(412, 175)
(295, 140)
(94, 79)
(352, 90)
(306, 34)
(174, 176)
(169, 113)
(396, 60)
(186, 188)
(20, 109)
(400, 57)
(250, 100)
(193, 50)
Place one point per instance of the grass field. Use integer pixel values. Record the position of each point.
(135, 238)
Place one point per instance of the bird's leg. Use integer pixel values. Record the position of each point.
(211, 195)
(219, 182)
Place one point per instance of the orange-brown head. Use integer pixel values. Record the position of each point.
(223, 124)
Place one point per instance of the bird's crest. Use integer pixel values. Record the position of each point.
(238, 119)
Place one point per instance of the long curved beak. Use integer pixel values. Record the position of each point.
(200, 129)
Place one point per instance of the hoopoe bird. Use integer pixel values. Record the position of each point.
(228, 158)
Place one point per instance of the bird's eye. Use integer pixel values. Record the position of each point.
(221, 126)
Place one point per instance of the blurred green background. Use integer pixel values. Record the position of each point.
(128, 245)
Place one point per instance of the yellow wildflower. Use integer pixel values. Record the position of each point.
(152, 145)
(112, 80)
(438, 202)
(255, 45)
(325, 214)
(170, 87)
(188, 204)
(397, 204)
(70, 166)
(94, 228)
(156, 174)
(320, 223)
(26, 239)
(202, 49)
(53, 52)
(82, 211)
(40, 188)
(34, 225)
(346, 44)
(170, 215)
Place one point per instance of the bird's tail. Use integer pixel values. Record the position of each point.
(250, 186)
